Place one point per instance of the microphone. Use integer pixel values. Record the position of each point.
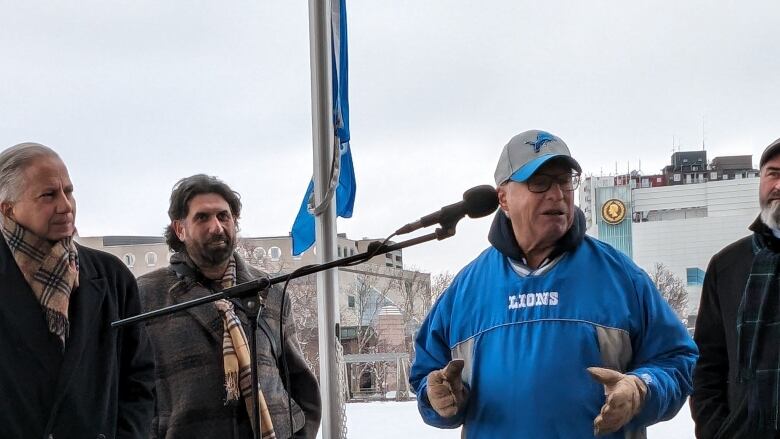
(477, 202)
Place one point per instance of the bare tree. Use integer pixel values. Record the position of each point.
(439, 283)
(303, 298)
(414, 288)
(260, 258)
(672, 289)
(366, 297)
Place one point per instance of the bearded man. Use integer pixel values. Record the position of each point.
(203, 361)
(737, 379)
(64, 372)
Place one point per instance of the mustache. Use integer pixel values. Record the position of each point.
(218, 238)
(773, 201)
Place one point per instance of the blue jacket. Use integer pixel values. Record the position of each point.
(528, 339)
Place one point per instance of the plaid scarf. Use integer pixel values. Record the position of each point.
(50, 269)
(758, 332)
(236, 358)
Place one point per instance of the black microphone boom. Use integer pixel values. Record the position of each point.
(477, 202)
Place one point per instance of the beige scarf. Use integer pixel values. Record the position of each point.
(236, 358)
(50, 269)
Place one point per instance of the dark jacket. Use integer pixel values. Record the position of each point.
(719, 402)
(190, 373)
(102, 385)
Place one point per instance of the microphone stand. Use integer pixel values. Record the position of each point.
(254, 287)
(256, 307)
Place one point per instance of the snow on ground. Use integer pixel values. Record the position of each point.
(385, 420)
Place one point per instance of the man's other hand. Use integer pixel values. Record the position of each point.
(625, 395)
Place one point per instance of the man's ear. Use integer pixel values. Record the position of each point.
(502, 195)
(7, 209)
(178, 228)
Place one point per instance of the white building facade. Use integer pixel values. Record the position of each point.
(680, 218)
(683, 226)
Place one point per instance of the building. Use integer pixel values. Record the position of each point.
(141, 254)
(679, 218)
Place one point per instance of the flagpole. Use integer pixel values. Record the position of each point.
(325, 224)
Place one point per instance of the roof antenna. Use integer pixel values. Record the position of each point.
(703, 131)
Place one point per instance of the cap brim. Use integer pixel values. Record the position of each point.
(771, 151)
(530, 168)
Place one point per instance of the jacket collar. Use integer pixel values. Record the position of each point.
(763, 236)
(191, 284)
(7, 263)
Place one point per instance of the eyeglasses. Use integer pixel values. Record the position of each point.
(539, 183)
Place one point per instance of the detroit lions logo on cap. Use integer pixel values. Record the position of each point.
(541, 138)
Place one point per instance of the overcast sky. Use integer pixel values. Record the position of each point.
(137, 94)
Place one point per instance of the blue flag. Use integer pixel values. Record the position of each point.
(303, 227)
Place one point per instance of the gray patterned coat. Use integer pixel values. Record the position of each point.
(190, 375)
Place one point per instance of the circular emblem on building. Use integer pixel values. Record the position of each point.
(613, 211)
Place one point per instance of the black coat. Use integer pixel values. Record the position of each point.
(719, 401)
(102, 385)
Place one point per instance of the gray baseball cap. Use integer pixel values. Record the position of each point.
(527, 152)
(772, 150)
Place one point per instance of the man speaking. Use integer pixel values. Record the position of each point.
(549, 333)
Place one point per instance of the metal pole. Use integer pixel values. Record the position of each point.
(327, 281)
(253, 313)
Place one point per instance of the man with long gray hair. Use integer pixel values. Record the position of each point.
(64, 372)
(737, 378)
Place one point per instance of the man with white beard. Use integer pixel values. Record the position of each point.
(737, 378)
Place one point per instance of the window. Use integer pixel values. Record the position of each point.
(339, 251)
(151, 259)
(351, 301)
(348, 332)
(129, 259)
(258, 253)
(389, 255)
(713, 175)
(352, 252)
(275, 253)
(677, 177)
(398, 258)
(695, 276)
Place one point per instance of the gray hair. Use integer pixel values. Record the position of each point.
(13, 162)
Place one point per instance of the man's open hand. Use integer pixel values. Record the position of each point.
(625, 395)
